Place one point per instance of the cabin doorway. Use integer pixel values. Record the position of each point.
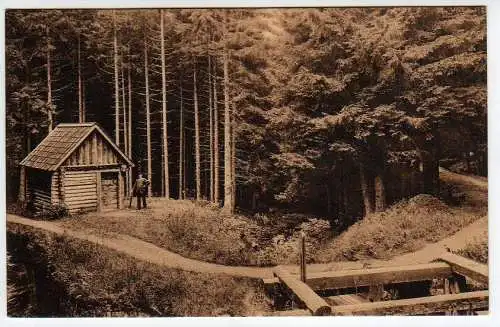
(109, 190)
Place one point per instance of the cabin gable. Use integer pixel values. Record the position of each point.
(95, 150)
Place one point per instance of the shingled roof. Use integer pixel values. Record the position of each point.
(60, 143)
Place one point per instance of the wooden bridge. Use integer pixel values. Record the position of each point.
(365, 291)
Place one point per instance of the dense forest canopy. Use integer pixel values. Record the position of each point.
(304, 109)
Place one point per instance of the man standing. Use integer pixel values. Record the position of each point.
(140, 190)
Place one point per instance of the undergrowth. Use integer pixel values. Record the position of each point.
(88, 280)
(404, 227)
(476, 250)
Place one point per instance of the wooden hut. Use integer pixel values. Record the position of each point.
(76, 165)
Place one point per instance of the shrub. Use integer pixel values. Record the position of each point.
(477, 249)
(52, 212)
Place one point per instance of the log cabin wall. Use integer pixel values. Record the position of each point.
(80, 191)
(39, 188)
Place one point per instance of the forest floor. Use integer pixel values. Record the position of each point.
(421, 227)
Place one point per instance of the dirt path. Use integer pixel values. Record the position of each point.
(151, 253)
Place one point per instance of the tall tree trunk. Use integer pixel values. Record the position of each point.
(125, 137)
(181, 149)
(228, 193)
(380, 196)
(211, 128)
(129, 131)
(148, 117)
(328, 198)
(196, 135)
(49, 85)
(367, 190)
(84, 107)
(117, 87)
(430, 171)
(429, 153)
(164, 109)
(216, 141)
(233, 160)
(81, 114)
(124, 106)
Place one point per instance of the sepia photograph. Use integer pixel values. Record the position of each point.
(242, 162)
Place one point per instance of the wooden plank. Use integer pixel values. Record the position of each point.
(54, 188)
(80, 183)
(82, 205)
(62, 177)
(82, 199)
(377, 276)
(99, 151)
(305, 294)
(81, 187)
(466, 267)
(81, 176)
(346, 299)
(422, 305)
(99, 191)
(374, 276)
(80, 179)
(94, 148)
(482, 313)
(90, 190)
(120, 191)
(292, 313)
(22, 184)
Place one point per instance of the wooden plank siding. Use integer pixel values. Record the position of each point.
(22, 184)
(55, 190)
(94, 151)
(80, 191)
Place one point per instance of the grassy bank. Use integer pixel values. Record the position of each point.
(405, 227)
(477, 249)
(83, 279)
(205, 233)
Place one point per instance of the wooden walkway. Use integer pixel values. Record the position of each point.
(451, 269)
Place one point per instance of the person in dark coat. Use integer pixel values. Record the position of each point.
(140, 190)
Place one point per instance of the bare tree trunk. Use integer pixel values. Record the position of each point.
(328, 198)
(367, 190)
(124, 106)
(84, 110)
(117, 87)
(196, 136)
(129, 132)
(211, 129)
(49, 85)
(81, 114)
(164, 109)
(233, 160)
(228, 193)
(148, 118)
(216, 141)
(125, 137)
(181, 149)
(380, 196)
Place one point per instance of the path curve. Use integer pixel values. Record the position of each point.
(151, 253)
